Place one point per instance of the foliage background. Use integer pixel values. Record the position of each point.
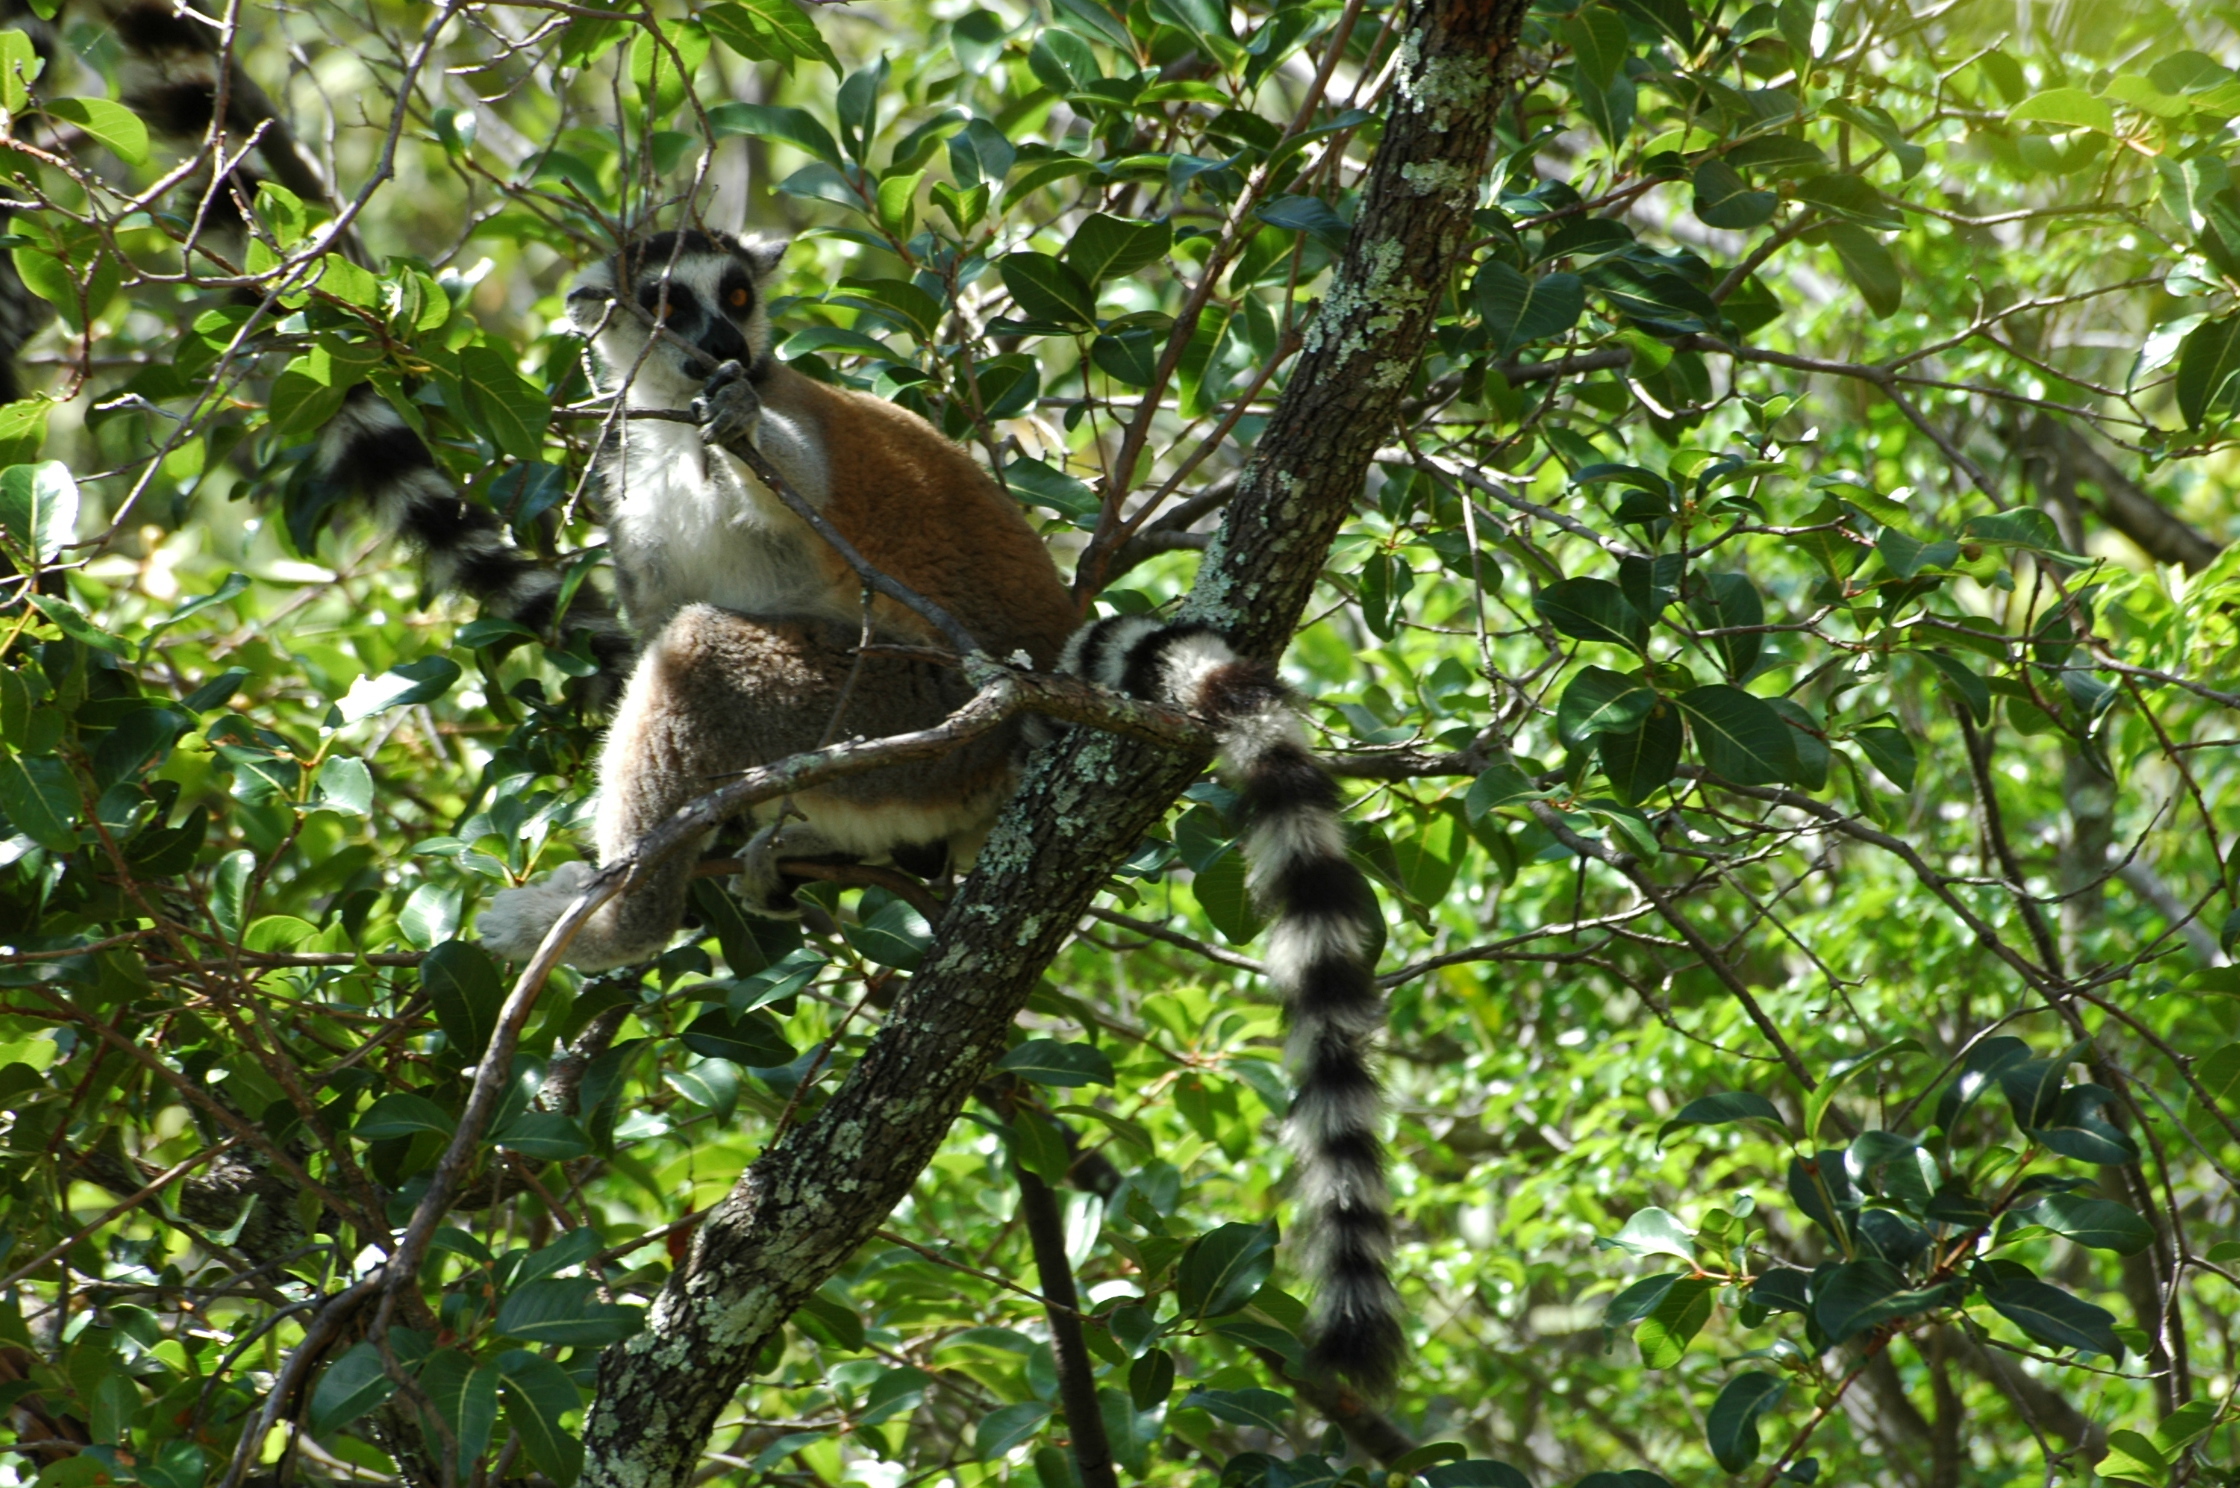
(1899, 340)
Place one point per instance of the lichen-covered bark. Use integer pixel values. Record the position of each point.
(819, 1192)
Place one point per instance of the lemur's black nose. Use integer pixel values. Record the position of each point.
(720, 339)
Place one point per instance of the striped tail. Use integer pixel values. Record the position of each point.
(369, 451)
(1322, 921)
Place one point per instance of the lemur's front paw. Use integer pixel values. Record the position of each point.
(514, 923)
(728, 408)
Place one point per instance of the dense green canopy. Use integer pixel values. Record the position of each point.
(1782, 660)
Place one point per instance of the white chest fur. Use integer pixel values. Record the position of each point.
(692, 526)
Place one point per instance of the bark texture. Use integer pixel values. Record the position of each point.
(822, 1189)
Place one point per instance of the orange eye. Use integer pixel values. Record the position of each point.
(738, 299)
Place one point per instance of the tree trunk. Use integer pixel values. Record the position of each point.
(818, 1193)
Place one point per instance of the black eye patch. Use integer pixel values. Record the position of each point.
(737, 295)
(683, 305)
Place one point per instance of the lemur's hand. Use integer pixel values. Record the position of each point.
(728, 408)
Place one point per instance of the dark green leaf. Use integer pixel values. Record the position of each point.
(896, 935)
(1679, 1315)
(2207, 360)
(1731, 1426)
(1262, 1408)
(1727, 601)
(1858, 1295)
(1641, 762)
(412, 682)
(2102, 1224)
(1307, 214)
(465, 1397)
(1600, 701)
(1739, 737)
(1050, 1062)
(543, 1136)
(1592, 610)
(1001, 1430)
(1519, 310)
(1868, 265)
(466, 991)
(1224, 1267)
(2051, 1316)
(351, 1386)
(1719, 1109)
(755, 1040)
(1724, 199)
(2075, 1128)
(400, 1113)
(1639, 1300)
(1849, 197)
(1106, 247)
(1046, 289)
(1477, 1472)
(1890, 750)
(1599, 43)
(1499, 786)
(538, 1394)
(566, 1311)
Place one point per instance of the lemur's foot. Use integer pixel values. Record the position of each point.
(514, 923)
(728, 408)
(760, 886)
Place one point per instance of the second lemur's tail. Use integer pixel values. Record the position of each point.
(1322, 918)
(371, 452)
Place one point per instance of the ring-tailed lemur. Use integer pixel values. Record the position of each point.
(758, 623)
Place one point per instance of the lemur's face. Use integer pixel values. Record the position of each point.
(704, 289)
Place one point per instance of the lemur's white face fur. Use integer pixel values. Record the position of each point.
(704, 288)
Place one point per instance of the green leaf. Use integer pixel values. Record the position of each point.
(538, 1395)
(465, 989)
(794, 126)
(346, 785)
(768, 31)
(466, 1398)
(1222, 892)
(1224, 1267)
(112, 124)
(1852, 198)
(400, 1113)
(1890, 751)
(1499, 786)
(2207, 359)
(566, 1310)
(2051, 1316)
(40, 799)
(1841, 1073)
(1721, 1108)
(1592, 610)
(1051, 1062)
(1519, 310)
(1107, 247)
(1308, 214)
(350, 1386)
(1047, 289)
(754, 1040)
(39, 509)
(1654, 1231)
(1868, 265)
(1726, 601)
(1480, 1472)
(1599, 43)
(1731, 1426)
(2133, 1459)
(1641, 762)
(896, 935)
(1679, 1316)
(1863, 1294)
(2071, 108)
(2022, 527)
(1264, 1409)
(1973, 690)
(1739, 737)
(1001, 1430)
(512, 410)
(20, 65)
(2102, 1224)
(23, 430)
(412, 682)
(1724, 199)
(1599, 701)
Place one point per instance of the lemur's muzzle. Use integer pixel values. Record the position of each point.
(722, 341)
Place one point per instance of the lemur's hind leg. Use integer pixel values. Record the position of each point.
(718, 693)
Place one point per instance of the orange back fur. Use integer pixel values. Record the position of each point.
(923, 511)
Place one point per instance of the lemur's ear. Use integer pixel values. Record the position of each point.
(589, 300)
(764, 254)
